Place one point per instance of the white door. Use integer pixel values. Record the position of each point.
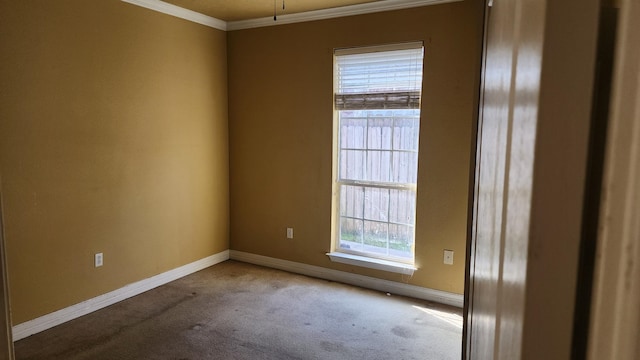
(532, 152)
(6, 341)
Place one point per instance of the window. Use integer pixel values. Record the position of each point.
(377, 107)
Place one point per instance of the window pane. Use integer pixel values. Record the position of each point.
(351, 234)
(376, 204)
(375, 237)
(379, 166)
(352, 132)
(401, 240)
(402, 206)
(379, 133)
(351, 201)
(405, 133)
(405, 167)
(352, 164)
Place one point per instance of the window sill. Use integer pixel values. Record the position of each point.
(378, 264)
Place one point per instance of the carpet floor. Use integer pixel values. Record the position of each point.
(235, 310)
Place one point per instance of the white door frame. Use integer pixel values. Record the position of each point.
(615, 316)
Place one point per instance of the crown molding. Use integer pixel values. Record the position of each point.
(179, 12)
(350, 10)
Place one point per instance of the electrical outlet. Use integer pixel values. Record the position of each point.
(448, 257)
(289, 233)
(98, 260)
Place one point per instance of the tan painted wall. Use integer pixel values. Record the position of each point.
(113, 138)
(280, 121)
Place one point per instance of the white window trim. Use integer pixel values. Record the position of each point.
(372, 263)
(379, 48)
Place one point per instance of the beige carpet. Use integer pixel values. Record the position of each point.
(235, 310)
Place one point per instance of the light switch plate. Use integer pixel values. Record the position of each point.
(289, 233)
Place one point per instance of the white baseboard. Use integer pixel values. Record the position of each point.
(392, 287)
(48, 321)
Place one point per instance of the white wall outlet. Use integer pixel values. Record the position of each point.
(289, 233)
(98, 260)
(448, 257)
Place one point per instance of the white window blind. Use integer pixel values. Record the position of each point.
(378, 78)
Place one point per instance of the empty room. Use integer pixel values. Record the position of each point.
(340, 179)
(142, 144)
